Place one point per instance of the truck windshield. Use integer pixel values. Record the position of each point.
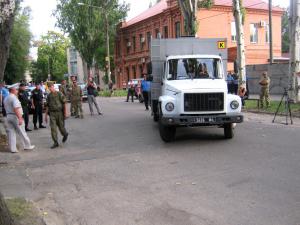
(182, 69)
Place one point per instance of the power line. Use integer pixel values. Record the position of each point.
(227, 12)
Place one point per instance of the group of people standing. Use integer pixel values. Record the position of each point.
(145, 89)
(16, 105)
(264, 82)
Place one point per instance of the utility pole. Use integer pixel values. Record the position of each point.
(241, 60)
(271, 32)
(294, 67)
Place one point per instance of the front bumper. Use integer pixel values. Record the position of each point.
(201, 120)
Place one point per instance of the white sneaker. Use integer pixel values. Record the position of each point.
(15, 151)
(30, 147)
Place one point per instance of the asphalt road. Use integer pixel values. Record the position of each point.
(115, 170)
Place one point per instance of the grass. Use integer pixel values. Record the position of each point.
(116, 93)
(252, 105)
(24, 212)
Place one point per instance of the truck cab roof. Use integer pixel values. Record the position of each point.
(193, 57)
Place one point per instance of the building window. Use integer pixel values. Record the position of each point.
(128, 44)
(134, 72)
(128, 74)
(142, 42)
(166, 33)
(141, 71)
(267, 33)
(149, 40)
(177, 30)
(134, 43)
(253, 33)
(233, 32)
(73, 68)
(73, 54)
(157, 34)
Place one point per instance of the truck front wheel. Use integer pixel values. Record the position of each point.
(228, 131)
(167, 133)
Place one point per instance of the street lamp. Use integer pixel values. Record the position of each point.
(107, 35)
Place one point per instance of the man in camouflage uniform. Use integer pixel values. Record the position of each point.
(56, 108)
(63, 88)
(76, 96)
(265, 93)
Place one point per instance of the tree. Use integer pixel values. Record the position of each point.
(189, 9)
(86, 26)
(285, 32)
(52, 57)
(20, 44)
(7, 14)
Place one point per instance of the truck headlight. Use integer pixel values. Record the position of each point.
(169, 106)
(234, 104)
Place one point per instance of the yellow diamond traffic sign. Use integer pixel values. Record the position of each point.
(221, 45)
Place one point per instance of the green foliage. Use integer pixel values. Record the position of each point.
(252, 106)
(17, 62)
(285, 32)
(86, 26)
(189, 10)
(116, 93)
(52, 57)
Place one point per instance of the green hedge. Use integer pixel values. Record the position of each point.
(116, 93)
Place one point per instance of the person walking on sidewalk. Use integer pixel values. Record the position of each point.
(145, 86)
(131, 90)
(15, 123)
(265, 92)
(24, 99)
(76, 100)
(37, 104)
(91, 94)
(56, 108)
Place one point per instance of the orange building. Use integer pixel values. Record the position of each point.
(164, 20)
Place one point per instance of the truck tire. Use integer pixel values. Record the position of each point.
(228, 131)
(167, 133)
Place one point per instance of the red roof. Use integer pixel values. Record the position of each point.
(249, 4)
(162, 5)
(156, 9)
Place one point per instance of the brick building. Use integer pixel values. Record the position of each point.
(164, 20)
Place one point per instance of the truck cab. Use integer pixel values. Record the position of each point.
(192, 90)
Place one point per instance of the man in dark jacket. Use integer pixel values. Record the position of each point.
(24, 99)
(37, 105)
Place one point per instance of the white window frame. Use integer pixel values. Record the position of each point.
(267, 33)
(233, 31)
(252, 35)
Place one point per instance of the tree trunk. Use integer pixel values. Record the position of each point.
(7, 12)
(5, 216)
(240, 43)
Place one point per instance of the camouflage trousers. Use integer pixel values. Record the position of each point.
(264, 96)
(57, 120)
(77, 105)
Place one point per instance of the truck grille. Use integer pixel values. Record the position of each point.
(201, 102)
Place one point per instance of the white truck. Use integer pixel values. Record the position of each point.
(189, 86)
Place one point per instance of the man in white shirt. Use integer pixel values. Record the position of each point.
(15, 122)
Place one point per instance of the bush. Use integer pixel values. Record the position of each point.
(116, 93)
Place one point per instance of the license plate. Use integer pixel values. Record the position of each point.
(205, 120)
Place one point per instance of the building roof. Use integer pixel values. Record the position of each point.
(249, 4)
(162, 5)
(155, 10)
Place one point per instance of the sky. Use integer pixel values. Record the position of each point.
(42, 19)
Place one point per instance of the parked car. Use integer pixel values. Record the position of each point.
(84, 91)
